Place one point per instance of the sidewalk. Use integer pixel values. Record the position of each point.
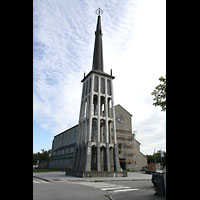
(60, 176)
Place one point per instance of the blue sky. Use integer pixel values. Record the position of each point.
(134, 36)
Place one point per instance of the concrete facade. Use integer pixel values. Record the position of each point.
(97, 149)
(91, 148)
(130, 157)
(96, 152)
(63, 148)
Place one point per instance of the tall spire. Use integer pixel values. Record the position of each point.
(98, 47)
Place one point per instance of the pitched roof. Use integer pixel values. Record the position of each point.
(123, 109)
(98, 50)
(65, 131)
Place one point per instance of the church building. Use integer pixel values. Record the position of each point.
(102, 143)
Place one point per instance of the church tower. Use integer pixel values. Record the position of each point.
(97, 151)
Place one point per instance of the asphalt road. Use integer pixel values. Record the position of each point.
(83, 190)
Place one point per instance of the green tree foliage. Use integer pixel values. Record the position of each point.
(44, 156)
(159, 94)
(157, 157)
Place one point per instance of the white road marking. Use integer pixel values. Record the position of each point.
(44, 182)
(125, 190)
(40, 182)
(59, 181)
(105, 186)
(99, 185)
(102, 186)
(36, 182)
(114, 188)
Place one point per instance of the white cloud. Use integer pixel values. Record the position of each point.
(133, 45)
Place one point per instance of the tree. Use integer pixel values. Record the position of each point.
(151, 158)
(44, 156)
(159, 94)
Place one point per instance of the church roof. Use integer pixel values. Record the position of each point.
(97, 65)
(123, 108)
(97, 72)
(137, 141)
(98, 48)
(66, 131)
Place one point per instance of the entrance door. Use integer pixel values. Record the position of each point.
(122, 164)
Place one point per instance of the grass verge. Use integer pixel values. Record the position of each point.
(47, 170)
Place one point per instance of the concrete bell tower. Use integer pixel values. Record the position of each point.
(97, 151)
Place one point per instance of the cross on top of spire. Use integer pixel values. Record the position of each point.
(99, 12)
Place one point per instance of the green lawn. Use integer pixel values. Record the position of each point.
(47, 170)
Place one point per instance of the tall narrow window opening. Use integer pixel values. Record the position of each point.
(96, 83)
(94, 130)
(109, 87)
(95, 104)
(102, 108)
(109, 104)
(89, 85)
(102, 85)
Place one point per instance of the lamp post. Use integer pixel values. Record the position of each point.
(155, 157)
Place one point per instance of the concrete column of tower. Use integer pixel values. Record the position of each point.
(106, 111)
(99, 108)
(116, 155)
(81, 158)
(108, 157)
(91, 108)
(107, 128)
(77, 159)
(90, 116)
(82, 131)
(113, 113)
(78, 149)
(99, 124)
(88, 157)
(81, 119)
(87, 119)
(80, 116)
(98, 157)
